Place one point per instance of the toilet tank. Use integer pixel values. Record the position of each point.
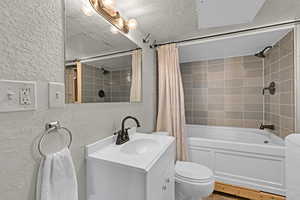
(293, 166)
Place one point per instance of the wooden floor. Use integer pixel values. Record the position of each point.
(221, 196)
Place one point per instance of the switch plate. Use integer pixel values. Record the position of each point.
(56, 95)
(17, 95)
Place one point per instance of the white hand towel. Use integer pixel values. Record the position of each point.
(57, 178)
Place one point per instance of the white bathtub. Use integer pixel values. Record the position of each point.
(244, 157)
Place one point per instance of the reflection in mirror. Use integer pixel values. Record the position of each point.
(110, 79)
(102, 65)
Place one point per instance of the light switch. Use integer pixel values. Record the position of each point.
(17, 95)
(56, 95)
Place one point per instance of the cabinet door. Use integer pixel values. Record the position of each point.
(169, 184)
(158, 189)
(160, 178)
(161, 189)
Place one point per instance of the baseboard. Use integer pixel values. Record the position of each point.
(246, 192)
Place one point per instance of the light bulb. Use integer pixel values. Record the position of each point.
(120, 23)
(132, 23)
(114, 30)
(108, 3)
(87, 10)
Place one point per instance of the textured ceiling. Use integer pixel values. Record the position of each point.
(90, 35)
(169, 20)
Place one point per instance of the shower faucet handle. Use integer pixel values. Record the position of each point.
(271, 88)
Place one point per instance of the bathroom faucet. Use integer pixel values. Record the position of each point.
(123, 133)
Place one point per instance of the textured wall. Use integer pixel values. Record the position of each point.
(31, 48)
(279, 67)
(224, 92)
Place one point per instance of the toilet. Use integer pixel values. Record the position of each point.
(192, 181)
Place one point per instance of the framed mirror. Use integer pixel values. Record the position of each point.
(101, 63)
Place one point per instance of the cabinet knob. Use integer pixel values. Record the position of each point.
(168, 180)
(164, 187)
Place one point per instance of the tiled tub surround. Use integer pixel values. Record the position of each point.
(279, 67)
(116, 85)
(224, 92)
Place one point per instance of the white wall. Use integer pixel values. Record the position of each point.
(31, 48)
(242, 44)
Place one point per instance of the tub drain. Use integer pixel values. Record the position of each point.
(266, 141)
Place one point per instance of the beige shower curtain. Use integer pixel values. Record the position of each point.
(171, 113)
(136, 80)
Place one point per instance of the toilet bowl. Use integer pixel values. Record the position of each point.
(192, 181)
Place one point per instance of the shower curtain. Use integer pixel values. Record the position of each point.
(136, 80)
(171, 113)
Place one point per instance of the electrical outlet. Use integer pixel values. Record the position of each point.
(17, 96)
(25, 96)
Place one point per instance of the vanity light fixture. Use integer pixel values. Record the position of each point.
(132, 23)
(109, 3)
(120, 23)
(114, 30)
(105, 8)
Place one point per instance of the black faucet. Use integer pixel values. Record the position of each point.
(263, 126)
(271, 88)
(123, 133)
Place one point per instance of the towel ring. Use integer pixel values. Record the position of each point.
(49, 128)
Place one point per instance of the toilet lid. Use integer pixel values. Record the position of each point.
(193, 171)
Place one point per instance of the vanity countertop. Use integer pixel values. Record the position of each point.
(141, 152)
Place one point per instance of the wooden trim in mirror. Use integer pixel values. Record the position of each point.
(79, 82)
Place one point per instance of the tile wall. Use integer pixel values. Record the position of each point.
(224, 92)
(279, 67)
(116, 85)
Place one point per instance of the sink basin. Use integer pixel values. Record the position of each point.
(139, 153)
(140, 146)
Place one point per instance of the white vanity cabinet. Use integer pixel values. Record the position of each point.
(160, 178)
(145, 175)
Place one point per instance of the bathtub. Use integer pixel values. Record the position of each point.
(243, 157)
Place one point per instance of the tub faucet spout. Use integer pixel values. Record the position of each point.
(268, 126)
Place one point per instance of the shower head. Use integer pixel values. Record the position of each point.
(262, 54)
(104, 71)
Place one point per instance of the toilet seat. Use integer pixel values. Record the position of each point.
(192, 173)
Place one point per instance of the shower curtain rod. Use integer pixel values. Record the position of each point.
(100, 57)
(228, 33)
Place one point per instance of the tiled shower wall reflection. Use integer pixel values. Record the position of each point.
(116, 85)
(279, 67)
(224, 92)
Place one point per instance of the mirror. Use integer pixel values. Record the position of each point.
(102, 64)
